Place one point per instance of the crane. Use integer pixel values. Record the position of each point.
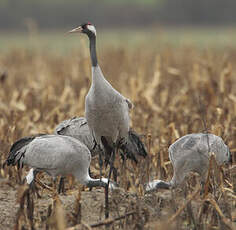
(55, 155)
(190, 153)
(106, 110)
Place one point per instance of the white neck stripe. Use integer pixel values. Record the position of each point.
(91, 28)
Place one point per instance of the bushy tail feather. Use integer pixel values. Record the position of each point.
(126, 153)
(134, 147)
(17, 151)
(139, 144)
(131, 149)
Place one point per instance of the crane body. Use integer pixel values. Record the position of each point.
(190, 153)
(56, 155)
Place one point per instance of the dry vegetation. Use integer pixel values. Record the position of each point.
(39, 89)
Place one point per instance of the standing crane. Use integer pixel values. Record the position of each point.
(55, 155)
(190, 153)
(106, 110)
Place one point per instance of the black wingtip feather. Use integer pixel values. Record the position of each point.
(134, 147)
(16, 147)
(135, 138)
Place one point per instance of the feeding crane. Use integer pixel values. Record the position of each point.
(55, 155)
(190, 153)
(106, 110)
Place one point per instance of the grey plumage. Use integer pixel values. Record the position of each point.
(190, 153)
(55, 155)
(106, 111)
(78, 128)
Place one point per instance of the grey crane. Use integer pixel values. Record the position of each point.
(55, 155)
(106, 110)
(190, 153)
(78, 128)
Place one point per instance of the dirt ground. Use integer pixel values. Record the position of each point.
(8, 205)
(92, 205)
(148, 209)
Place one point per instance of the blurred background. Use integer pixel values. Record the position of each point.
(202, 22)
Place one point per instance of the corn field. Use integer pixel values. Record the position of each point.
(173, 91)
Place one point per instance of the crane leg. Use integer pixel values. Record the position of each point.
(107, 187)
(90, 174)
(95, 145)
(112, 159)
(100, 161)
(115, 173)
(100, 164)
(61, 187)
(106, 202)
(54, 186)
(33, 186)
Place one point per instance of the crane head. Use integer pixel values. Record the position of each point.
(86, 28)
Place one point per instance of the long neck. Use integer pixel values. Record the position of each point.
(157, 184)
(95, 183)
(93, 53)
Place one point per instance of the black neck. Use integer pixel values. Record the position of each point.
(93, 53)
(95, 183)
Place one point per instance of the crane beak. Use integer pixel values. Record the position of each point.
(76, 30)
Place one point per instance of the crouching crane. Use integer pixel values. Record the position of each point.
(190, 153)
(55, 155)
